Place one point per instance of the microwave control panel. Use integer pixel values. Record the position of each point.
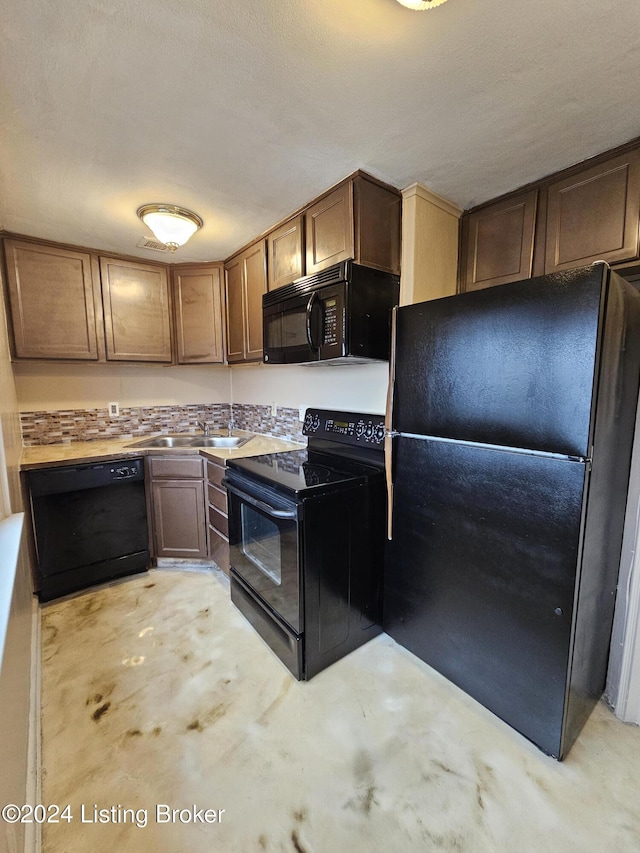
(330, 321)
(345, 427)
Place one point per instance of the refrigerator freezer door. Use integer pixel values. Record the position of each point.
(481, 573)
(511, 365)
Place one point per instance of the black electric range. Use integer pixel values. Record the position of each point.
(306, 537)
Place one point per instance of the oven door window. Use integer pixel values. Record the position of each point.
(263, 549)
(260, 540)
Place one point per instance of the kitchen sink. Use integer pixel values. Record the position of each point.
(193, 441)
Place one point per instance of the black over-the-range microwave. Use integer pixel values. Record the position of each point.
(341, 314)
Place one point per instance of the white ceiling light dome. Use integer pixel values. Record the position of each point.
(420, 5)
(172, 225)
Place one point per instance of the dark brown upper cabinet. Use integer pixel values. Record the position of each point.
(498, 242)
(197, 301)
(54, 302)
(359, 219)
(285, 252)
(119, 309)
(329, 229)
(593, 215)
(246, 282)
(377, 212)
(588, 212)
(136, 306)
(235, 310)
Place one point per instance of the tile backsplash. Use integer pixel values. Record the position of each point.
(65, 426)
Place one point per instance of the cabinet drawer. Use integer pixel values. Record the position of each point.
(219, 549)
(218, 520)
(215, 473)
(176, 467)
(217, 497)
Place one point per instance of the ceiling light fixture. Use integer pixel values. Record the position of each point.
(420, 5)
(172, 225)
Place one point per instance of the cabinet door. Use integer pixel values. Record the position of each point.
(255, 285)
(594, 215)
(498, 242)
(136, 311)
(179, 518)
(377, 212)
(235, 310)
(197, 299)
(329, 229)
(285, 253)
(51, 301)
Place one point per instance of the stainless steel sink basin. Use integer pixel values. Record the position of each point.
(224, 441)
(193, 441)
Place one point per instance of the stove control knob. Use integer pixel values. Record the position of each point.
(369, 431)
(360, 429)
(311, 422)
(379, 433)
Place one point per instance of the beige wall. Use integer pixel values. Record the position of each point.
(357, 388)
(15, 671)
(429, 245)
(47, 387)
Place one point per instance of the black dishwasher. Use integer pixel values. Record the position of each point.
(90, 524)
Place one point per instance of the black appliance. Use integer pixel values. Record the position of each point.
(340, 314)
(511, 415)
(89, 523)
(306, 537)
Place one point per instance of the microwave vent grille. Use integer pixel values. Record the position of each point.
(332, 275)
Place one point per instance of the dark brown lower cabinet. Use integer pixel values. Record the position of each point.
(218, 524)
(178, 507)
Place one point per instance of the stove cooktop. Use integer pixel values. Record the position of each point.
(344, 447)
(302, 471)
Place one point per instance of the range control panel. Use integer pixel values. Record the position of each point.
(345, 427)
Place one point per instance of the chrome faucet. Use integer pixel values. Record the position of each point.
(204, 426)
(231, 426)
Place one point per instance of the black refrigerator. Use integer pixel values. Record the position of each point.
(509, 433)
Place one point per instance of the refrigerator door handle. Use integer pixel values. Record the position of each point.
(388, 470)
(388, 418)
(388, 422)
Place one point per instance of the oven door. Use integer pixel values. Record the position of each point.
(264, 546)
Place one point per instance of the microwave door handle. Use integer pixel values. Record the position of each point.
(310, 304)
(261, 505)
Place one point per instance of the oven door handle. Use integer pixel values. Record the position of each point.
(261, 505)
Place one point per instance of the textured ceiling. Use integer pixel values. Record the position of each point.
(243, 111)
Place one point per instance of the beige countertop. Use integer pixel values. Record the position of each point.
(44, 455)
